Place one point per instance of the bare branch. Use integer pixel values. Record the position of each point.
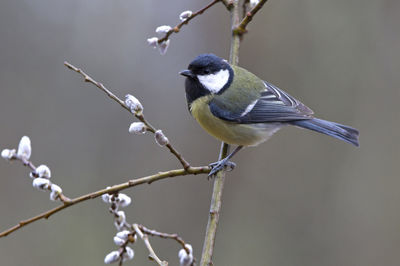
(146, 241)
(131, 183)
(244, 7)
(228, 4)
(215, 208)
(178, 27)
(31, 166)
(133, 232)
(241, 28)
(165, 235)
(99, 85)
(216, 200)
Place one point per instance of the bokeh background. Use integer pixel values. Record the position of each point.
(299, 199)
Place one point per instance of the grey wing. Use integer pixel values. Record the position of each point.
(273, 105)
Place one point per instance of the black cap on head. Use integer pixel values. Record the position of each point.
(205, 64)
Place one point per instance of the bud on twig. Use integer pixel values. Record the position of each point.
(53, 196)
(112, 257)
(134, 105)
(55, 192)
(121, 216)
(185, 15)
(153, 42)
(186, 259)
(120, 220)
(8, 154)
(138, 128)
(106, 198)
(42, 171)
(163, 29)
(119, 241)
(160, 138)
(128, 255)
(163, 47)
(124, 200)
(40, 183)
(55, 188)
(24, 148)
(123, 234)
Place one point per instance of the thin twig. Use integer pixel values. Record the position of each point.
(25, 162)
(131, 183)
(215, 208)
(123, 250)
(133, 228)
(146, 241)
(244, 7)
(178, 27)
(241, 28)
(129, 239)
(166, 236)
(228, 4)
(99, 85)
(31, 166)
(216, 200)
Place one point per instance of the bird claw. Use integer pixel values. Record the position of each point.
(223, 164)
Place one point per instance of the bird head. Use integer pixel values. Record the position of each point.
(212, 72)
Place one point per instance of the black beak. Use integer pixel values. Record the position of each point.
(187, 73)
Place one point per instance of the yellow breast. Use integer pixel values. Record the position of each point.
(229, 132)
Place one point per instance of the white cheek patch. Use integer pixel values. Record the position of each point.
(214, 82)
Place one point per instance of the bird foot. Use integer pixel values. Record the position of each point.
(223, 164)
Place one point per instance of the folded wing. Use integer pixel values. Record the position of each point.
(272, 105)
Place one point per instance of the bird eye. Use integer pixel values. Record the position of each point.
(206, 71)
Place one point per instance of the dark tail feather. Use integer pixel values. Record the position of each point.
(332, 129)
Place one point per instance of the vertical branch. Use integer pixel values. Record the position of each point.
(235, 41)
(216, 200)
(215, 207)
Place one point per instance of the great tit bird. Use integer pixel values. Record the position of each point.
(237, 107)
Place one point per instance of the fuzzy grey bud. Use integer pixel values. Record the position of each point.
(160, 138)
(55, 188)
(128, 254)
(153, 42)
(53, 196)
(134, 105)
(112, 257)
(186, 259)
(24, 148)
(123, 234)
(138, 128)
(8, 154)
(119, 241)
(121, 216)
(106, 198)
(40, 183)
(163, 29)
(124, 200)
(163, 47)
(185, 15)
(43, 171)
(55, 192)
(120, 220)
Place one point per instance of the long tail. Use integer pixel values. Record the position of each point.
(329, 128)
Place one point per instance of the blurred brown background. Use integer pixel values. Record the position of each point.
(299, 199)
